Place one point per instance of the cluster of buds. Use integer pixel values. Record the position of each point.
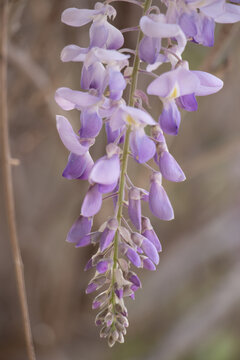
(127, 238)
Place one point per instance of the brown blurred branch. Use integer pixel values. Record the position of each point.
(7, 180)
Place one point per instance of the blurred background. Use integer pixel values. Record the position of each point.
(188, 308)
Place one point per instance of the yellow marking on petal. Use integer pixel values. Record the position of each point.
(175, 93)
(130, 120)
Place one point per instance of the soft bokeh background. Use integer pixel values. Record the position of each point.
(189, 307)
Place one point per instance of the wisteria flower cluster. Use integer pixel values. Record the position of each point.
(127, 238)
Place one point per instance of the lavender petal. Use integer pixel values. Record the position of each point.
(92, 202)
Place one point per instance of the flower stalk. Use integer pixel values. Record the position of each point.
(125, 155)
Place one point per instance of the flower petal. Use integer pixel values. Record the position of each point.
(68, 136)
(106, 170)
(148, 264)
(174, 83)
(159, 202)
(98, 35)
(92, 202)
(150, 250)
(133, 256)
(149, 49)
(142, 148)
(169, 168)
(77, 17)
(106, 238)
(117, 84)
(73, 53)
(187, 102)
(91, 124)
(69, 99)
(77, 165)
(138, 115)
(149, 233)
(222, 12)
(80, 228)
(170, 118)
(102, 266)
(115, 38)
(157, 27)
(134, 207)
(104, 189)
(209, 84)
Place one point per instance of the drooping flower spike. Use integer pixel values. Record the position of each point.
(127, 238)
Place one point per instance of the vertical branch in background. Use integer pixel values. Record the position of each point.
(7, 180)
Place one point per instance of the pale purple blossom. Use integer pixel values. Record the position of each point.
(127, 239)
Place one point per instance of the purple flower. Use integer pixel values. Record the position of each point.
(221, 11)
(149, 233)
(103, 265)
(131, 276)
(149, 49)
(69, 99)
(106, 170)
(92, 202)
(159, 202)
(134, 117)
(177, 84)
(142, 148)
(91, 124)
(147, 246)
(105, 75)
(80, 228)
(156, 27)
(101, 32)
(131, 254)
(78, 166)
(134, 207)
(148, 264)
(112, 136)
(169, 167)
(69, 138)
(108, 234)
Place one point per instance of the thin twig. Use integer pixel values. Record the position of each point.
(8, 184)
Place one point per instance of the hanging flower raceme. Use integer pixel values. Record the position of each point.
(126, 241)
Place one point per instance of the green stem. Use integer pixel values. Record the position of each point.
(134, 79)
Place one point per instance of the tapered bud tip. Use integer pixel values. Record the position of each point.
(148, 264)
(135, 280)
(91, 288)
(150, 251)
(133, 257)
(169, 168)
